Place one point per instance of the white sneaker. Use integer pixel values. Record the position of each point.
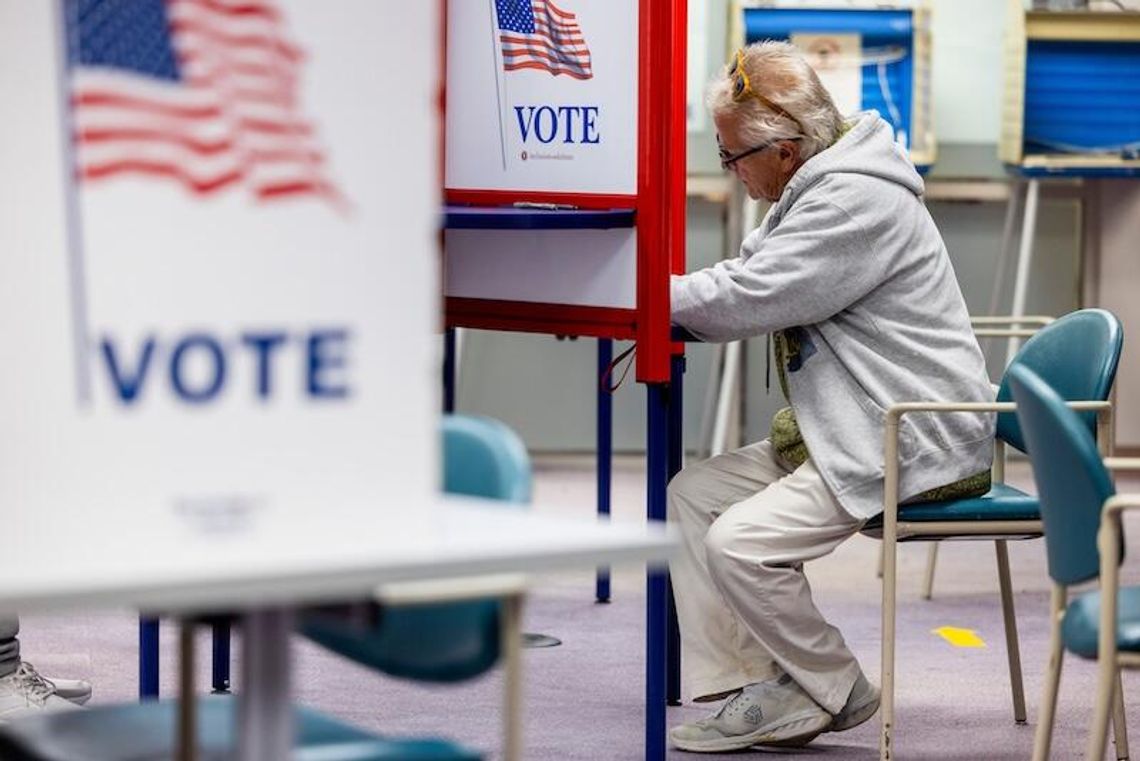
(776, 712)
(861, 705)
(76, 690)
(25, 693)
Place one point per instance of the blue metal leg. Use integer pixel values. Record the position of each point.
(605, 451)
(676, 456)
(449, 370)
(221, 658)
(657, 583)
(148, 658)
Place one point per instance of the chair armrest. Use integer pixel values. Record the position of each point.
(1122, 463)
(896, 411)
(451, 590)
(1108, 542)
(892, 419)
(1008, 326)
(1040, 320)
(1117, 504)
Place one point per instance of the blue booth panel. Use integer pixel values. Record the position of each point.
(886, 34)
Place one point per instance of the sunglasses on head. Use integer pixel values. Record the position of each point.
(742, 88)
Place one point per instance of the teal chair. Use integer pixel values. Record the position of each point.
(1078, 355)
(459, 639)
(1078, 502)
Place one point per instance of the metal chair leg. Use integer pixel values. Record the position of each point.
(512, 677)
(1119, 722)
(888, 558)
(928, 579)
(1105, 691)
(1011, 645)
(1043, 738)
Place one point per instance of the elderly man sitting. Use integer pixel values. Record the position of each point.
(850, 277)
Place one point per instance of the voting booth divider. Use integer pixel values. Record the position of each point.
(565, 189)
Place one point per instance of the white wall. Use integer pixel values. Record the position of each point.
(967, 67)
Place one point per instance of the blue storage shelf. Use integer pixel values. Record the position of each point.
(512, 218)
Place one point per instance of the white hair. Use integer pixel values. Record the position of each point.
(778, 72)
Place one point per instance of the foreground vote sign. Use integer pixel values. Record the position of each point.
(217, 222)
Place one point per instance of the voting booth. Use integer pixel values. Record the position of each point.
(868, 56)
(565, 169)
(211, 232)
(1071, 84)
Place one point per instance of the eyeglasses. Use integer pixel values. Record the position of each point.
(728, 159)
(742, 88)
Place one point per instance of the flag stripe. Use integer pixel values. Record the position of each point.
(575, 73)
(201, 186)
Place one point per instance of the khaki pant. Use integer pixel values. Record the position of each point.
(748, 522)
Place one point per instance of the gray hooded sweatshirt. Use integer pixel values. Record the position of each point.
(849, 263)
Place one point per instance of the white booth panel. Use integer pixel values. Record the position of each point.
(574, 267)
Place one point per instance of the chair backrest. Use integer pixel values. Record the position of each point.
(452, 641)
(1072, 482)
(484, 458)
(1076, 355)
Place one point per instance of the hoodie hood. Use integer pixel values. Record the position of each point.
(868, 147)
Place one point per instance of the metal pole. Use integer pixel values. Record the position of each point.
(605, 426)
(266, 729)
(187, 707)
(220, 658)
(657, 476)
(1024, 260)
(449, 349)
(676, 462)
(148, 658)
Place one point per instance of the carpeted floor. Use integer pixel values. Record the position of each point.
(585, 698)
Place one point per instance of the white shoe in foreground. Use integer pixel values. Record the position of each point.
(776, 712)
(25, 693)
(75, 690)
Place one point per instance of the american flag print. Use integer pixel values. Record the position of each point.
(536, 34)
(203, 93)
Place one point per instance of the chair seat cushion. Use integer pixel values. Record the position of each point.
(1001, 503)
(434, 642)
(133, 731)
(1080, 627)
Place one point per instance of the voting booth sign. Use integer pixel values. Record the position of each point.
(219, 225)
(565, 168)
(539, 95)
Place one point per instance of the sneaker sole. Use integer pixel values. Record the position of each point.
(799, 730)
(857, 717)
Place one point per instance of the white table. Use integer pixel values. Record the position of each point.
(265, 568)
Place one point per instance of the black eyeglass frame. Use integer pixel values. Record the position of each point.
(728, 159)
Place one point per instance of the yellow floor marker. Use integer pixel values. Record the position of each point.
(959, 637)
